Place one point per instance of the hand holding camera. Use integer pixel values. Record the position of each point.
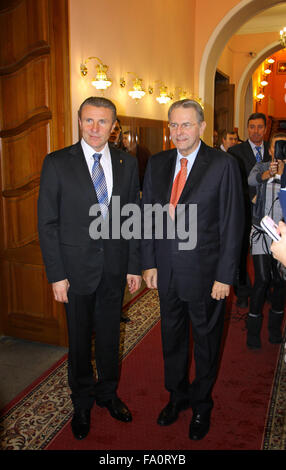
(280, 150)
(273, 168)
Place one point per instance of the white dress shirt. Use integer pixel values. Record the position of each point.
(105, 162)
(252, 145)
(191, 159)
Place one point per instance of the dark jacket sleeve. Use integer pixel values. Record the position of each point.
(231, 222)
(134, 251)
(148, 243)
(48, 221)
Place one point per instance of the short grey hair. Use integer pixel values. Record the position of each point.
(187, 103)
(99, 102)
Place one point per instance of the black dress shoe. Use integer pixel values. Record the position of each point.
(117, 409)
(200, 425)
(80, 423)
(170, 413)
(124, 319)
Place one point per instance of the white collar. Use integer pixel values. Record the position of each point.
(89, 151)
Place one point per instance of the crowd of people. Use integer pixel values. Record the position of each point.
(230, 187)
(261, 172)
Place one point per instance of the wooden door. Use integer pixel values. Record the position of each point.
(224, 106)
(34, 120)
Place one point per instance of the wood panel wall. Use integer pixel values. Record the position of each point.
(35, 118)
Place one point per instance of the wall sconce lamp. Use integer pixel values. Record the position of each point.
(283, 37)
(200, 101)
(268, 68)
(101, 81)
(264, 83)
(164, 96)
(259, 97)
(182, 94)
(137, 91)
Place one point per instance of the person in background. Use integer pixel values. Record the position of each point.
(229, 139)
(141, 152)
(279, 248)
(215, 139)
(248, 153)
(266, 178)
(115, 137)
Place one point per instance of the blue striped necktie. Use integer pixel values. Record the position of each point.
(99, 182)
(258, 154)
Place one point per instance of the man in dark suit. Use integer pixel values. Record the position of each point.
(192, 283)
(88, 273)
(248, 153)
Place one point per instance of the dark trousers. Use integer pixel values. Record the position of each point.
(242, 286)
(265, 275)
(99, 313)
(177, 316)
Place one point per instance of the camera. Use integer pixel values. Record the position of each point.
(280, 150)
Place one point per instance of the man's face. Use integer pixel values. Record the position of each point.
(185, 129)
(230, 140)
(96, 124)
(256, 131)
(115, 134)
(126, 140)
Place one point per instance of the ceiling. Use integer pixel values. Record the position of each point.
(273, 19)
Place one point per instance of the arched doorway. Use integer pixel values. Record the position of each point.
(239, 120)
(235, 18)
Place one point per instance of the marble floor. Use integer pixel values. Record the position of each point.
(22, 362)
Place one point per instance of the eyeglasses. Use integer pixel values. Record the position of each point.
(184, 126)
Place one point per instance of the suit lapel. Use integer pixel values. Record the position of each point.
(118, 167)
(80, 167)
(166, 175)
(196, 173)
(250, 155)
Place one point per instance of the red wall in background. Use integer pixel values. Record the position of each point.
(274, 103)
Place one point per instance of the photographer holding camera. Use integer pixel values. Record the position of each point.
(279, 248)
(266, 177)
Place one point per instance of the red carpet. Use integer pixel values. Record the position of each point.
(241, 396)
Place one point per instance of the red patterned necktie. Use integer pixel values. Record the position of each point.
(178, 186)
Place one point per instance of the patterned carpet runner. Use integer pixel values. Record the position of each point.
(250, 405)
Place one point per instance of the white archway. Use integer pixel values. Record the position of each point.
(232, 21)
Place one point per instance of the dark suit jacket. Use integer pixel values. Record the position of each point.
(246, 159)
(66, 195)
(214, 185)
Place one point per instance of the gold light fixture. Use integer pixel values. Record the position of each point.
(137, 91)
(268, 71)
(101, 81)
(200, 101)
(164, 96)
(260, 95)
(264, 83)
(283, 36)
(270, 61)
(182, 94)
